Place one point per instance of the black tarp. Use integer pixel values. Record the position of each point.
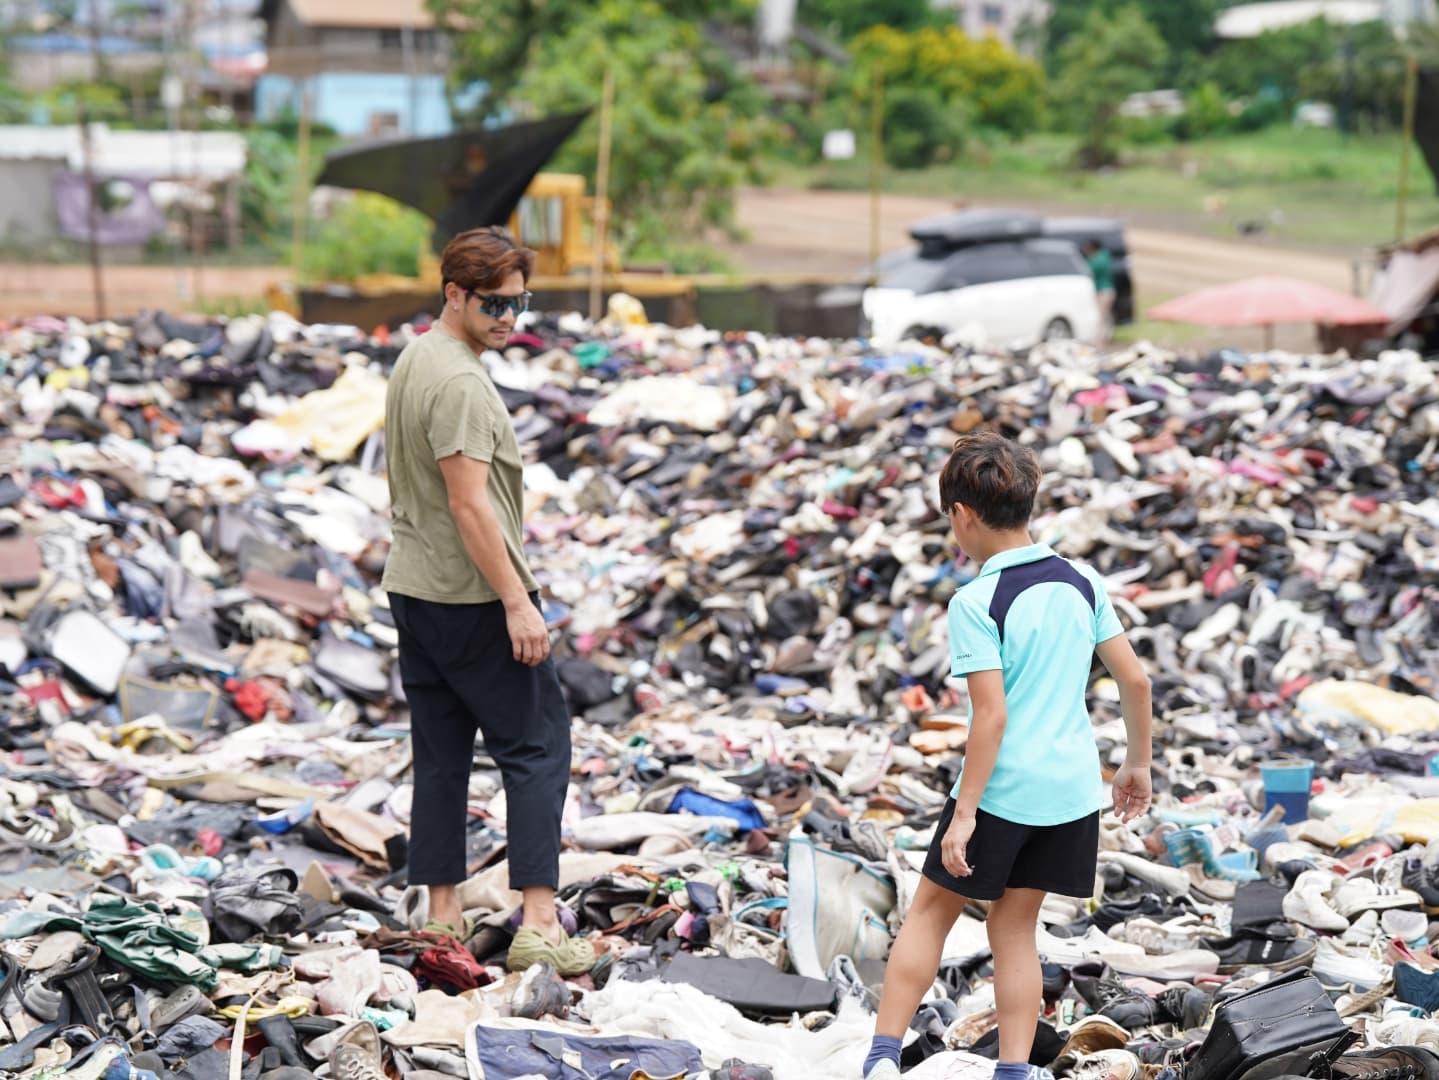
(1426, 119)
(462, 181)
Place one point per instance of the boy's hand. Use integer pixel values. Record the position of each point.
(1132, 791)
(956, 839)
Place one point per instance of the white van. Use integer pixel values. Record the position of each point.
(1017, 292)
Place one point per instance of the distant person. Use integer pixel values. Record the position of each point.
(474, 649)
(1101, 266)
(1022, 820)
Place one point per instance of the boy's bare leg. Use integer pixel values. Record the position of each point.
(1018, 983)
(914, 959)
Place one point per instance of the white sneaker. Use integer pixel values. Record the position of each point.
(1185, 965)
(1408, 1031)
(1361, 894)
(1410, 927)
(1095, 943)
(1108, 1065)
(1171, 879)
(885, 1070)
(1333, 963)
(1308, 902)
(1364, 931)
(1175, 935)
(1289, 851)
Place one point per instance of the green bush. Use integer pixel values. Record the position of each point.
(370, 234)
(1206, 113)
(920, 129)
(1150, 130)
(1264, 110)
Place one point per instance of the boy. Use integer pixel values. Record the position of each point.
(1023, 818)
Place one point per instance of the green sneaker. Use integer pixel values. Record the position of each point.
(571, 957)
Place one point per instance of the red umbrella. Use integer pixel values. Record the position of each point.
(1266, 301)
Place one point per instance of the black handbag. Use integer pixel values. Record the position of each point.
(1285, 1027)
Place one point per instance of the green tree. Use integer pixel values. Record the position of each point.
(1116, 54)
(1316, 60)
(497, 41)
(1186, 26)
(846, 18)
(688, 128)
(979, 78)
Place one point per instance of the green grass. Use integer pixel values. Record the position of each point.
(232, 307)
(1307, 188)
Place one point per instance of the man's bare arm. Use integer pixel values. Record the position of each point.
(467, 486)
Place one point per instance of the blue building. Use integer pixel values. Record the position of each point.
(371, 68)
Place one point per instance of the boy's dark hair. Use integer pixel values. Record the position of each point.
(483, 258)
(993, 476)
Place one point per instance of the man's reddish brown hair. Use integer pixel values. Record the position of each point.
(482, 258)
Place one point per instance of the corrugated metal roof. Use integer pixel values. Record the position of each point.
(209, 155)
(1251, 20)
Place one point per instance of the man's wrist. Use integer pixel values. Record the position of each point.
(517, 600)
(1136, 762)
(963, 811)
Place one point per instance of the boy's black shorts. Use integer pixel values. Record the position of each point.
(1005, 855)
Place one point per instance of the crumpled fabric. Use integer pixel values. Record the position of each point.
(246, 902)
(334, 422)
(1347, 702)
(136, 936)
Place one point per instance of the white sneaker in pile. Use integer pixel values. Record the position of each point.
(1174, 935)
(1334, 965)
(1410, 927)
(1308, 902)
(1094, 944)
(1361, 894)
(1108, 1065)
(1365, 937)
(1408, 1031)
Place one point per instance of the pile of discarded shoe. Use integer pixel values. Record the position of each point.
(204, 793)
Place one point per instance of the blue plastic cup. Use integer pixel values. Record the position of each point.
(1287, 784)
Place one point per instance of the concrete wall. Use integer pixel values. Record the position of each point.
(27, 212)
(37, 71)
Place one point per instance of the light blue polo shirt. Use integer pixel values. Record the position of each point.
(1037, 618)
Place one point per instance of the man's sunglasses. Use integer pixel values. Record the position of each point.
(497, 306)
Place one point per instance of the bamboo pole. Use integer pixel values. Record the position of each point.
(302, 186)
(92, 213)
(876, 168)
(1411, 87)
(602, 196)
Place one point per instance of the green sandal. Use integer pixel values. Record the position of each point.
(462, 934)
(571, 957)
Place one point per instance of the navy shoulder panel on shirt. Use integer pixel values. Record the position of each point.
(1013, 580)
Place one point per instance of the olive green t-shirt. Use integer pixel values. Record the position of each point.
(441, 402)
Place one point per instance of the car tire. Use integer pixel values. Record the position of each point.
(1058, 330)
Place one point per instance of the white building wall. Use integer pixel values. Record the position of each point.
(1002, 18)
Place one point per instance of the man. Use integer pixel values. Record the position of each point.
(1101, 266)
(474, 649)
